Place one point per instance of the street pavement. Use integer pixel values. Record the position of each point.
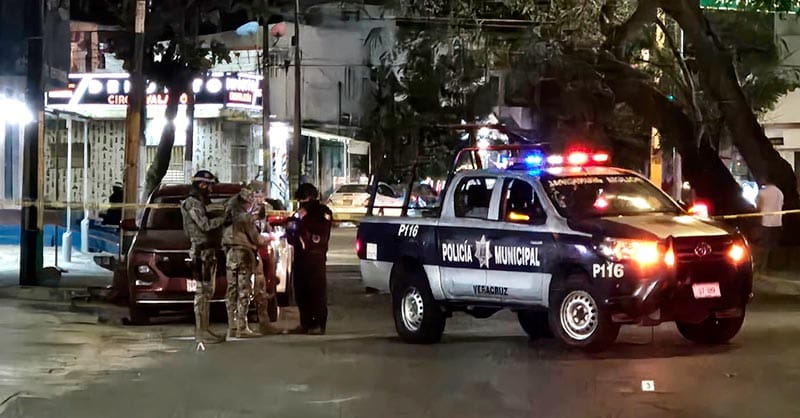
(58, 361)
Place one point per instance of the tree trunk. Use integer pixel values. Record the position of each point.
(188, 150)
(702, 167)
(158, 168)
(719, 80)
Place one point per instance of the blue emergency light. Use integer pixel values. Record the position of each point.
(534, 160)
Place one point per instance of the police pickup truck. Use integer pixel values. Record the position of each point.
(574, 247)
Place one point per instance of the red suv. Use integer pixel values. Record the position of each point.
(156, 273)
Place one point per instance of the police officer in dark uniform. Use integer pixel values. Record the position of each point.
(309, 231)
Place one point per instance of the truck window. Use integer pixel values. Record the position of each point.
(473, 197)
(385, 190)
(520, 204)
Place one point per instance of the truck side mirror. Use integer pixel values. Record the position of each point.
(522, 218)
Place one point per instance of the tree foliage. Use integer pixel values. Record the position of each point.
(173, 57)
(580, 67)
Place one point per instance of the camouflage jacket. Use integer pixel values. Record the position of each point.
(196, 224)
(240, 227)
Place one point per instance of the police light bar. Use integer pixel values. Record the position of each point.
(571, 159)
(527, 156)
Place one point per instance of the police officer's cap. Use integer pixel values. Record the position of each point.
(306, 191)
(205, 176)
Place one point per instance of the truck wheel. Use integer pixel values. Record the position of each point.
(535, 324)
(576, 317)
(417, 316)
(712, 330)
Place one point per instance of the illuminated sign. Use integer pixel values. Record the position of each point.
(781, 6)
(152, 99)
(113, 89)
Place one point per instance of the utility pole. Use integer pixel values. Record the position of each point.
(133, 119)
(265, 107)
(32, 219)
(294, 146)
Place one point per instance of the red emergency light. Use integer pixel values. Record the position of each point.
(578, 158)
(533, 156)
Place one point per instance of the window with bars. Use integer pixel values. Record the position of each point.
(239, 163)
(175, 173)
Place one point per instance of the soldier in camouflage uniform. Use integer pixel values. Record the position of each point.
(261, 292)
(241, 240)
(199, 228)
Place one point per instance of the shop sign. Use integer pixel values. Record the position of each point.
(113, 90)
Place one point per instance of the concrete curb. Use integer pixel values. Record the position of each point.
(775, 286)
(43, 293)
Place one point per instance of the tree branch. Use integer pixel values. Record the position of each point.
(620, 35)
(687, 75)
(702, 166)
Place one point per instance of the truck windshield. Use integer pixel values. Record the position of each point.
(598, 196)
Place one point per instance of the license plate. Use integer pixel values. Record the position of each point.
(706, 290)
(347, 202)
(191, 285)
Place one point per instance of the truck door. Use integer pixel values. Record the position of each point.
(522, 248)
(467, 223)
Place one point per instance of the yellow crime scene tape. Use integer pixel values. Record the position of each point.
(78, 206)
(757, 214)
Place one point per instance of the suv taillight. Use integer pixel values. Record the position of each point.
(361, 250)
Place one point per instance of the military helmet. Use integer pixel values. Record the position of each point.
(255, 185)
(204, 176)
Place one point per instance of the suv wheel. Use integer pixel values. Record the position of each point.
(273, 311)
(712, 330)
(287, 297)
(535, 324)
(417, 316)
(138, 315)
(577, 318)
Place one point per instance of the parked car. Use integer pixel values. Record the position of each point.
(349, 201)
(156, 273)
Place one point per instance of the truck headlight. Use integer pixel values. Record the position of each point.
(642, 252)
(143, 269)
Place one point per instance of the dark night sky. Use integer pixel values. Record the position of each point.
(95, 11)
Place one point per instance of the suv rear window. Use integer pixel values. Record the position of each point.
(170, 218)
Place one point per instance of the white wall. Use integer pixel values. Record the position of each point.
(212, 151)
(106, 162)
(329, 55)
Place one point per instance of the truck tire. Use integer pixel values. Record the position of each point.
(577, 319)
(712, 330)
(535, 324)
(418, 318)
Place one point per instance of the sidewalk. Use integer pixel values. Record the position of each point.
(76, 278)
(777, 283)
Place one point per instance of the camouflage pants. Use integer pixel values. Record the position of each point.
(205, 273)
(241, 263)
(260, 291)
